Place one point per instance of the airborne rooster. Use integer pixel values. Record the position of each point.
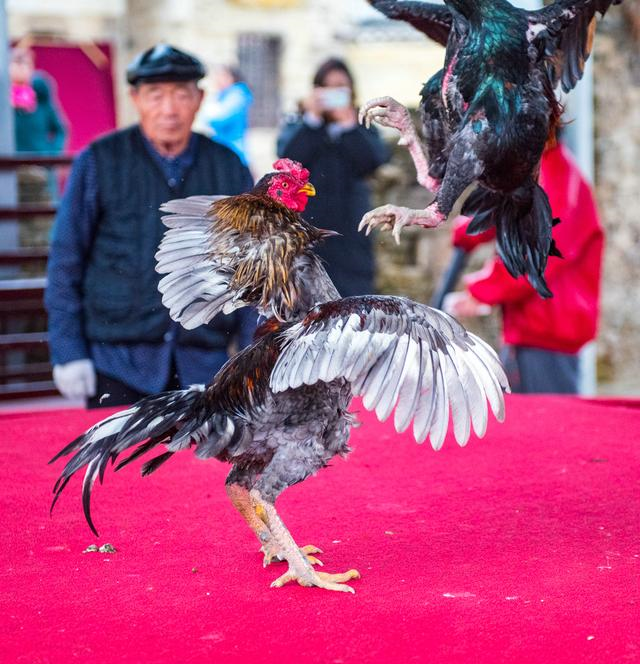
(487, 116)
(278, 410)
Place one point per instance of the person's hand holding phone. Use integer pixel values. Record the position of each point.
(313, 104)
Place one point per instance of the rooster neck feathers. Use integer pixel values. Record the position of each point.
(262, 217)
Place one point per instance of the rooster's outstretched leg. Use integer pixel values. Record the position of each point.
(388, 112)
(465, 167)
(300, 568)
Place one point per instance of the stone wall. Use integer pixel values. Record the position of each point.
(617, 92)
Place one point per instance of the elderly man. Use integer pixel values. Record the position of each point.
(111, 339)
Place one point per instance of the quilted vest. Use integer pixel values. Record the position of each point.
(121, 299)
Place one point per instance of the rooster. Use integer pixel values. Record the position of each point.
(487, 116)
(278, 411)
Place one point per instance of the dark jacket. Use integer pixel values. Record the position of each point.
(339, 164)
(102, 283)
(121, 298)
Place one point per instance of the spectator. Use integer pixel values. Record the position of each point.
(109, 332)
(226, 113)
(37, 122)
(542, 337)
(327, 139)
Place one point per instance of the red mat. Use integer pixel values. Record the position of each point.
(523, 547)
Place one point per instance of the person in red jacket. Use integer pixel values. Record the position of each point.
(542, 337)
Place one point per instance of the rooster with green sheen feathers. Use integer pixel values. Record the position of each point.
(487, 116)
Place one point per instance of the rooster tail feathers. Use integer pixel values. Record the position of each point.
(177, 420)
(523, 222)
(173, 418)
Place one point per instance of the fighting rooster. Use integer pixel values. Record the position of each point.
(278, 410)
(487, 116)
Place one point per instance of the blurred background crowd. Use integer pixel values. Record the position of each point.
(284, 78)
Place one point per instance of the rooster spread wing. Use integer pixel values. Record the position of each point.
(195, 287)
(565, 31)
(432, 20)
(397, 353)
(222, 253)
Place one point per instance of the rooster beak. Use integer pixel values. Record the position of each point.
(308, 189)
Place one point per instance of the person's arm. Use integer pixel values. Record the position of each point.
(494, 285)
(469, 243)
(71, 239)
(57, 130)
(246, 178)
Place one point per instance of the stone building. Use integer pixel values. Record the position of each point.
(617, 100)
(278, 44)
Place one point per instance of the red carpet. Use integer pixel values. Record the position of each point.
(524, 547)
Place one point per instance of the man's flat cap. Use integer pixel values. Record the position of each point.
(164, 63)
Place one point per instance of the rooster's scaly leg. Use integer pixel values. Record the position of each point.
(243, 502)
(465, 168)
(300, 568)
(388, 112)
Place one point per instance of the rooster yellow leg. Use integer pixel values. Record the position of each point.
(239, 497)
(300, 568)
(242, 501)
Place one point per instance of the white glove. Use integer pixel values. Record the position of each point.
(75, 380)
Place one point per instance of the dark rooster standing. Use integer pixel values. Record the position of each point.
(488, 115)
(278, 410)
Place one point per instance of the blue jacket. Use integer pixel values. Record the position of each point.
(228, 117)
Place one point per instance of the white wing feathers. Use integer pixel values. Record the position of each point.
(196, 285)
(402, 355)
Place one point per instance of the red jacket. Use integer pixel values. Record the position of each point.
(569, 319)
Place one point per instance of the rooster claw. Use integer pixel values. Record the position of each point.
(395, 218)
(387, 217)
(388, 112)
(319, 580)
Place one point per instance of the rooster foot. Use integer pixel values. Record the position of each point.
(318, 579)
(272, 553)
(388, 112)
(396, 218)
(300, 568)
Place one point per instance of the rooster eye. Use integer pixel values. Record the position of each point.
(285, 185)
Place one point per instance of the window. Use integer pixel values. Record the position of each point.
(259, 62)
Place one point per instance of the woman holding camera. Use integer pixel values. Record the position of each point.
(326, 138)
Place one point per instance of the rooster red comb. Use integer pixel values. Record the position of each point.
(294, 167)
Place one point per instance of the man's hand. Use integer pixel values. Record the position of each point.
(75, 380)
(462, 304)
